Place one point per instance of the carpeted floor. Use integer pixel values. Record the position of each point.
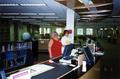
(110, 64)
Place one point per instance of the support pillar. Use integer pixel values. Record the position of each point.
(70, 18)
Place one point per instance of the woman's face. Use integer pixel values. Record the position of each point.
(55, 35)
(67, 33)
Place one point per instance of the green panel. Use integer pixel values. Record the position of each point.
(19, 34)
(22, 29)
(11, 32)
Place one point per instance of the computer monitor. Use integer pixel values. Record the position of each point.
(88, 55)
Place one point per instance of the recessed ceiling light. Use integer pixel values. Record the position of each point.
(46, 13)
(10, 13)
(37, 17)
(25, 19)
(9, 5)
(60, 0)
(49, 19)
(86, 1)
(96, 15)
(33, 4)
(28, 13)
(7, 17)
(52, 17)
(22, 17)
(61, 19)
(33, 21)
(84, 18)
(90, 18)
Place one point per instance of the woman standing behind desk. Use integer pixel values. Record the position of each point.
(55, 46)
(67, 45)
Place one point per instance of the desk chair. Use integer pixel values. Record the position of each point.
(21, 57)
(10, 59)
(2, 74)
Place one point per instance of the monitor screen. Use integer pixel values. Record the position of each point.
(88, 55)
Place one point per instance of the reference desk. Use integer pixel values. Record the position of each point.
(57, 72)
(50, 71)
(54, 71)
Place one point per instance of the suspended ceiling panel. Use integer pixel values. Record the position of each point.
(37, 10)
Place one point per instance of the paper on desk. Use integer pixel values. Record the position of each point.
(38, 69)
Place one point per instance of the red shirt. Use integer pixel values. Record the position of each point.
(56, 48)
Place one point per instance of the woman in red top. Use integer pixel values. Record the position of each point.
(55, 46)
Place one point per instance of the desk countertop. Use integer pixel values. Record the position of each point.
(58, 71)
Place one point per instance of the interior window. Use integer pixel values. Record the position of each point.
(59, 30)
(89, 31)
(79, 31)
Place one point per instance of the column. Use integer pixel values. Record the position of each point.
(70, 18)
(16, 31)
(11, 32)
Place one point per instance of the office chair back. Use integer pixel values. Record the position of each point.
(2, 74)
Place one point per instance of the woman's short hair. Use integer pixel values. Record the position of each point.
(54, 33)
(65, 31)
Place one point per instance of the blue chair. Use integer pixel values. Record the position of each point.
(21, 57)
(9, 59)
(2, 74)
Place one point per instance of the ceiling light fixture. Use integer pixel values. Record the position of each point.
(5, 5)
(33, 4)
(52, 17)
(91, 12)
(60, 0)
(7, 17)
(37, 17)
(87, 3)
(10, 13)
(96, 15)
(35, 21)
(22, 17)
(25, 19)
(61, 19)
(49, 19)
(46, 13)
(28, 13)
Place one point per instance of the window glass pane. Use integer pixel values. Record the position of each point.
(48, 30)
(89, 31)
(45, 31)
(79, 31)
(40, 30)
(59, 30)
